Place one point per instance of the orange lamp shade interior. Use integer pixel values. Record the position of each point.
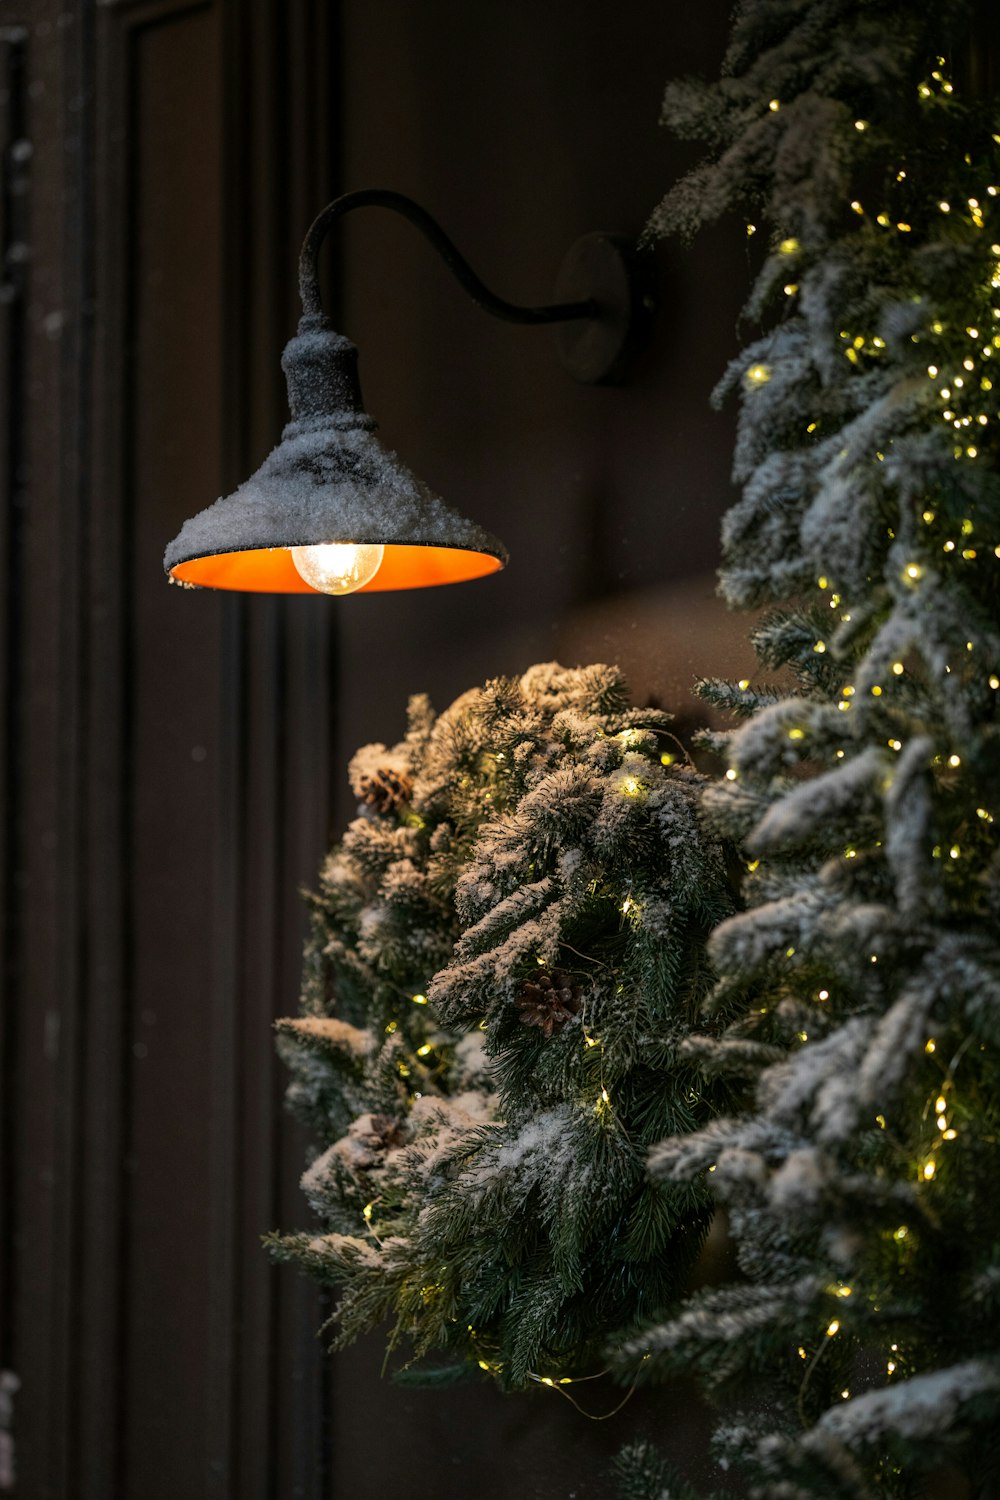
(270, 570)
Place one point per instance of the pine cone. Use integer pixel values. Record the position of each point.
(385, 1133)
(384, 789)
(549, 1001)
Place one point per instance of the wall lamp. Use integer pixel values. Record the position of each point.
(330, 510)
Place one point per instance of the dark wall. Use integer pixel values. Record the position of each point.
(524, 126)
(170, 760)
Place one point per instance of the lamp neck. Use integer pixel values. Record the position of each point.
(312, 307)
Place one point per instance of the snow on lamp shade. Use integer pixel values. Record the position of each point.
(329, 510)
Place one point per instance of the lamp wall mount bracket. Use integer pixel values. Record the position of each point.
(605, 306)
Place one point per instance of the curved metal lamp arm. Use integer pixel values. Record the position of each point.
(312, 307)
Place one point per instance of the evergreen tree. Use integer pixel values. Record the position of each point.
(507, 955)
(858, 1351)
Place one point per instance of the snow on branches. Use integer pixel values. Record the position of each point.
(507, 957)
(861, 1185)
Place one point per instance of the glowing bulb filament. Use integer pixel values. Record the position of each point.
(338, 567)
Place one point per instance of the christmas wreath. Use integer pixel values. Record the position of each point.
(505, 964)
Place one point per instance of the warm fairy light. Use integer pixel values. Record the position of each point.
(796, 734)
(789, 952)
(824, 995)
(424, 1050)
(819, 647)
(743, 684)
(994, 682)
(895, 744)
(954, 760)
(876, 691)
(950, 1135)
(898, 669)
(900, 1233)
(630, 787)
(751, 229)
(592, 1041)
(843, 1291)
(955, 851)
(667, 759)
(890, 1366)
(856, 206)
(845, 1394)
(774, 105)
(861, 124)
(790, 288)
(928, 516)
(627, 905)
(832, 1328)
(928, 1171)
(932, 371)
(758, 374)
(789, 246)
(913, 571)
(802, 1353)
(392, 1027)
(367, 1212)
(419, 999)
(731, 774)
(605, 1096)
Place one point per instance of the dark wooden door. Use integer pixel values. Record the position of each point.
(165, 755)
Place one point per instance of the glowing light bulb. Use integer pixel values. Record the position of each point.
(338, 567)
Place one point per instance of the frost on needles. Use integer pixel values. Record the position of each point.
(506, 961)
(858, 1355)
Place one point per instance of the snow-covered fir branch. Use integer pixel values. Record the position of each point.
(861, 158)
(507, 959)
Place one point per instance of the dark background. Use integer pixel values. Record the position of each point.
(171, 764)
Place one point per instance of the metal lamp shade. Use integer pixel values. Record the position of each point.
(328, 480)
